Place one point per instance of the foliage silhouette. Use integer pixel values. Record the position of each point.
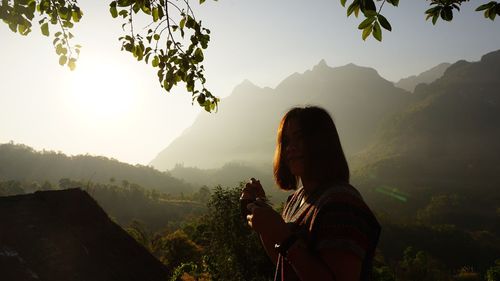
(175, 41)
(233, 251)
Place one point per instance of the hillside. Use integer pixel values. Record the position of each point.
(23, 163)
(426, 77)
(448, 141)
(244, 130)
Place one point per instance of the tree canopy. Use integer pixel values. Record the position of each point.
(175, 39)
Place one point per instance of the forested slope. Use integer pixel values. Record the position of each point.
(23, 163)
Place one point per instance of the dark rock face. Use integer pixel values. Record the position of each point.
(65, 235)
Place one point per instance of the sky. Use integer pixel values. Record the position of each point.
(113, 106)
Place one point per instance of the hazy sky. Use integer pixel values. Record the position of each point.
(113, 105)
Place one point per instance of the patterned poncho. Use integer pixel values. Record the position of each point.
(333, 217)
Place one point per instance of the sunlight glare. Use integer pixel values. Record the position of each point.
(102, 89)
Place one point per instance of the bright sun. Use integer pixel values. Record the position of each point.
(104, 90)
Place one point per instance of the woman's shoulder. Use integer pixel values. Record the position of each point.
(342, 208)
(343, 199)
(340, 193)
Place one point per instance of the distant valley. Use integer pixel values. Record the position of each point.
(444, 135)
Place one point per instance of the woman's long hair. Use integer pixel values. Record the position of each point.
(325, 159)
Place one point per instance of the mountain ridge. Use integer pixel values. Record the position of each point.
(244, 129)
(451, 132)
(23, 163)
(426, 77)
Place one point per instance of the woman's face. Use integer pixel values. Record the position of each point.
(293, 144)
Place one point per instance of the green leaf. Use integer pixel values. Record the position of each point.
(124, 3)
(139, 52)
(201, 99)
(370, 13)
(146, 58)
(72, 64)
(160, 13)
(31, 10)
(182, 23)
(198, 55)
(23, 30)
(435, 18)
(59, 49)
(45, 29)
(155, 14)
(366, 22)
(342, 2)
(13, 26)
(395, 3)
(356, 11)
(145, 9)
(377, 31)
(63, 13)
(113, 11)
(156, 61)
(369, 5)
(366, 32)
(156, 37)
(136, 8)
(53, 18)
(202, 1)
(352, 7)
(485, 6)
(76, 16)
(384, 22)
(447, 13)
(190, 22)
(63, 60)
(492, 14)
(123, 13)
(167, 84)
(432, 10)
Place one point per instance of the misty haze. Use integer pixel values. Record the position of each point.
(104, 176)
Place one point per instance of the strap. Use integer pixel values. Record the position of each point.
(283, 247)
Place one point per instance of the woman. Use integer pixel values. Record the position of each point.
(326, 231)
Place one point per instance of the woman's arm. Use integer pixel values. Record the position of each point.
(327, 264)
(269, 247)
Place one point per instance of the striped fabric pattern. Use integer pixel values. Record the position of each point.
(331, 217)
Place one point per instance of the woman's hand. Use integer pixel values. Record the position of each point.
(253, 190)
(267, 222)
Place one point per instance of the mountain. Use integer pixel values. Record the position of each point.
(426, 77)
(23, 163)
(448, 139)
(244, 129)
